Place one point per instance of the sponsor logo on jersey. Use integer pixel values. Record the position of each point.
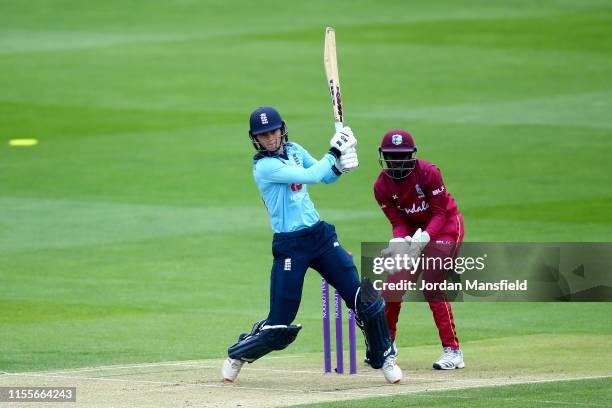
(417, 209)
(297, 196)
(438, 190)
(396, 139)
(298, 193)
(336, 244)
(296, 159)
(419, 191)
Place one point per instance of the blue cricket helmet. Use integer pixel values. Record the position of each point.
(263, 120)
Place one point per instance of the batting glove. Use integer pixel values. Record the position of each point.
(343, 140)
(348, 161)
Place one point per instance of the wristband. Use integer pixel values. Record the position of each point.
(335, 152)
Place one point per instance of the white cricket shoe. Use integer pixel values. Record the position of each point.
(231, 368)
(391, 371)
(450, 360)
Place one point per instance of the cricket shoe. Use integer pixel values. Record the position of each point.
(391, 371)
(450, 360)
(231, 368)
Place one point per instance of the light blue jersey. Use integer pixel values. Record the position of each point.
(282, 181)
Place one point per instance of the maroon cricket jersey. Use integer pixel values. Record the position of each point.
(418, 201)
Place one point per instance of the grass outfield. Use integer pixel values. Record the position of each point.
(592, 393)
(133, 232)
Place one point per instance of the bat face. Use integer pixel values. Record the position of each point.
(331, 70)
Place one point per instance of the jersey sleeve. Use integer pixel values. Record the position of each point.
(438, 201)
(331, 176)
(275, 171)
(307, 159)
(395, 217)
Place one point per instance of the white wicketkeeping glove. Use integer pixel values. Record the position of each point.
(348, 161)
(419, 241)
(397, 246)
(343, 140)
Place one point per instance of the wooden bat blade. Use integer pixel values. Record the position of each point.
(331, 70)
(331, 63)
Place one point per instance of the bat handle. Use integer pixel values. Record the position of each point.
(339, 126)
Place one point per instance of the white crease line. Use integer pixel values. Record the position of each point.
(120, 367)
(115, 367)
(317, 373)
(278, 370)
(322, 373)
(196, 365)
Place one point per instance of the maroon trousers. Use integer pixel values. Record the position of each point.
(441, 309)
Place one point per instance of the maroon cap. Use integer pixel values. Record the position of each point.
(397, 140)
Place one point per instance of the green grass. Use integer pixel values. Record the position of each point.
(589, 393)
(134, 232)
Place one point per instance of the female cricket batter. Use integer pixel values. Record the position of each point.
(282, 171)
(412, 195)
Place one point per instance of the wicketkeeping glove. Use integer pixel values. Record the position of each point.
(419, 241)
(397, 246)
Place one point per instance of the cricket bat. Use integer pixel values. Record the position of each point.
(333, 80)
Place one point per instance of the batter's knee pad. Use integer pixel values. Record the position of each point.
(262, 340)
(256, 327)
(370, 317)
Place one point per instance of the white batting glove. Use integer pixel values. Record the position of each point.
(343, 140)
(348, 161)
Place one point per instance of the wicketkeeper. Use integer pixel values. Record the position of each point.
(412, 195)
